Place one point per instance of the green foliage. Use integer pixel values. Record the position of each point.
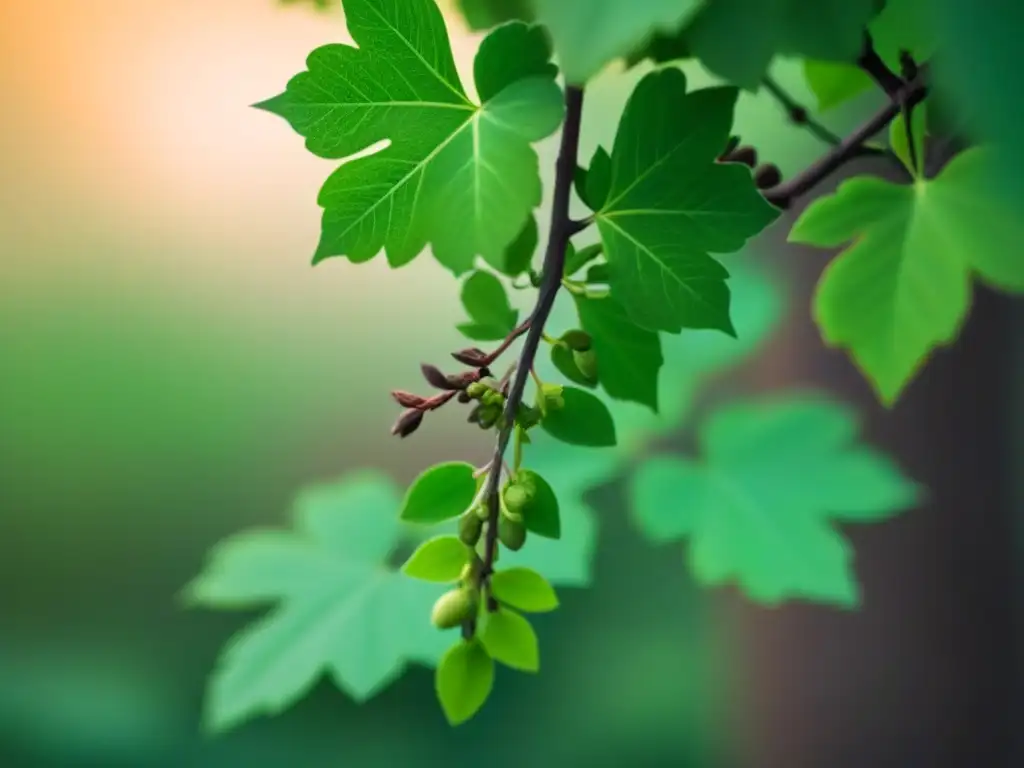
(583, 419)
(903, 287)
(464, 680)
(457, 175)
(589, 33)
(510, 640)
(675, 195)
(525, 589)
(330, 589)
(440, 493)
(440, 559)
(655, 225)
(487, 304)
(756, 508)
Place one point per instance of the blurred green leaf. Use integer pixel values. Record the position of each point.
(757, 507)
(332, 591)
(834, 83)
(588, 34)
(486, 302)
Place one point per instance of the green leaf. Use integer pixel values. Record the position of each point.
(542, 516)
(524, 589)
(670, 204)
(584, 420)
(510, 640)
(575, 260)
(562, 357)
(905, 25)
(588, 34)
(737, 39)
(834, 83)
(978, 72)
(592, 184)
(628, 356)
(440, 559)
(457, 175)
(440, 493)
(486, 302)
(900, 145)
(757, 507)
(903, 287)
(331, 590)
(519, 255)
(464, 680)
(484, 14)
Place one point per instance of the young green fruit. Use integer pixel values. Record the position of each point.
(470, 527)
(517, 498)
(454, 607)
(577, 339)
(511, 532)
(586, 362)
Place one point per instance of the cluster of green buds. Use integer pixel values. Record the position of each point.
(491, 404)
(516, 498)
(549, 398)
(459, 605)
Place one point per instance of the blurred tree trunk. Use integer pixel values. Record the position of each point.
(924, 674)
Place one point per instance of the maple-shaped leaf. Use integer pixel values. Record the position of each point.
(337, 607)
(458, 175)
(757, 508)
(670, 205)
(903, 285)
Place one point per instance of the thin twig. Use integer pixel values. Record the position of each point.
(551, 280)
(797, 113)
(878, 70)
(782, 195)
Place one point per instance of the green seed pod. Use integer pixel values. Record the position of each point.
(577, 340)
(511, 533)
(454, 607)
(586, 361)
(516, 498)
(480, 510)
(476, 390)
(493, 397)
(470, 527)
(489, 414)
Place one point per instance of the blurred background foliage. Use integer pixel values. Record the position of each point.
(172, 371)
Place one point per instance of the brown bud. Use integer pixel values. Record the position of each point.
(464, 397)
(746, 155)
(434, 376)
(408, 422)
(408, 399)
(461, 380)
(767, 176)
(471, 356)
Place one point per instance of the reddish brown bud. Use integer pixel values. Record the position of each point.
(767, 176)
(408, 399)
(746, 155)
(434, 376)
(464, 397)
(471, 356)
(407, 423)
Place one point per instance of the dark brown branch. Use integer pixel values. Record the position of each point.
(907, 96)
(878, 70)
(551, 280)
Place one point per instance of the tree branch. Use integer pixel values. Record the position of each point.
(561, 230)
(907, 96)
(878, 70)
